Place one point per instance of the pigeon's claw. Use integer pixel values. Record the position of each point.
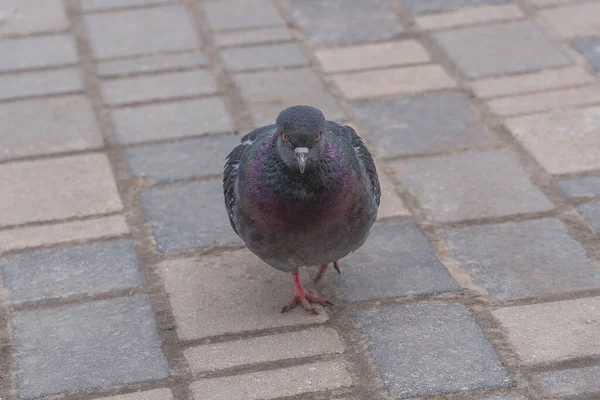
(336, 265)
(305, 298)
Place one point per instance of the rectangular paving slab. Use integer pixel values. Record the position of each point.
(151, 63)
(97, 344)
(23, 17)
(37, 52)
(262, 57)
(29, 84)
(588, 186)
(156, 394)
(242, 14)
(426, 6)
(430, 348)
(570, 382)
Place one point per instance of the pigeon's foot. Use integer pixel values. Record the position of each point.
(323, 268)
(305, 298)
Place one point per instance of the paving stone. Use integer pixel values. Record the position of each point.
(428, 123)
(574, 19)
(552, 332)
(260, 57)
(576, 132)
(426, 6)
(267, 93)
(285, 346)
(590, 48)
(140, 32)
(99, 228)
(241, 14)
(171, 120)
(334, 22)
(26, 84)
(391, 204)
(522, 259)
(471, 185)
(156, 394)
(412, 363)
(38, 52)
(591, 212)
(35, 127)
(57, 188)
(158, 87)
(50, 274)
(232, 292)
(500, 48)
(188, 216)
(155, 63)
(23, 17)
(582, 187)
(539, 102)
(181, 160)
(373, 55)
(284, 382)
(570, 382)
(396, 261)
(253, 36)
(505, 397)
(98, 344)
(548, 3)
(383, 82)
(99, 5)
(470, 16)
(531, 82)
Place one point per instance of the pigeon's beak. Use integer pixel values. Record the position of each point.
(301, 156)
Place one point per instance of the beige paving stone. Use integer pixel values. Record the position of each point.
(275, 383)
(563, 141)
(156, 394)
(391, 204)
(545, 101)
(253, 36)
(374, 55)
(531, 82)
(547, 3)
(470, 16)
(574, 20)
(230, 293)
(359, 85)
(35, 236)
(552, 332)
(306, 343)
(52, 189)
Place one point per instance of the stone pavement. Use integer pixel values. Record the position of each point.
(122, 279)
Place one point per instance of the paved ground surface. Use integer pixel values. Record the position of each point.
(122, 279)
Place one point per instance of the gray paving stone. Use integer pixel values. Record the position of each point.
(171, 120)
(591, 212)
(570, 382)
(22, 17)
(581, 187)
(505, 397)
(153, 63)
(471, 185)
(396, 261)
(590, 48)
(500, 48)
(98, 344)
(231, 292)
(182, 160)
(470, 16)
(241, 14)
(140, 32)
(267, 93)
(37, 52)
(99, 5)
(418, 348)
(522, 259)
(253, 36)
(57, 188)
(35, 127)
(188, 216)
(156, 394)
(345, 22)
(158, 87)
(87, 269)
(422, 124)
(425, 6)
(27, 84)
(260, 57)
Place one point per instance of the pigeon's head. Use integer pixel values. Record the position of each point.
(299, 131)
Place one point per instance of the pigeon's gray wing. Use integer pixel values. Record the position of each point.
(364, 155)
(230, 172)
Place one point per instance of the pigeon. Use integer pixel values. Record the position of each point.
(301, 192)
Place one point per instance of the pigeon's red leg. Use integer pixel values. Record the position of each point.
(321, 272)
(305, 298)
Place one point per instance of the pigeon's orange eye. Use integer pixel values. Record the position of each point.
(284, 136)
(318, 137)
